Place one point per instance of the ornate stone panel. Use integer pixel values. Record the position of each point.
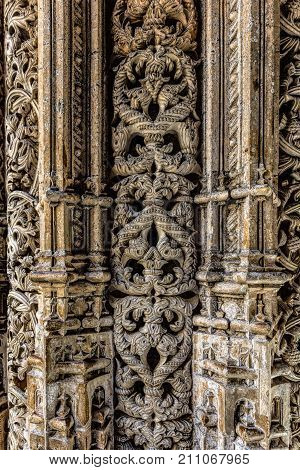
(153, 290)
(3, 236)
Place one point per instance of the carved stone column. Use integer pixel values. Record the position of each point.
(238, 274)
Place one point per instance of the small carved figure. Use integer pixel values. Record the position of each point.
(249, 435)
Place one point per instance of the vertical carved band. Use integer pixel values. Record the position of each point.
(238, 276)
(57, 338)
(22, 164)
(70, 380)
(287, 337)
(153, 291)
(3, 276)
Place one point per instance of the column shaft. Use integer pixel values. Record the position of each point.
(238, 275)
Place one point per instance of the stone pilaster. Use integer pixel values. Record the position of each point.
(153, 290)
(3, 235)
(70, 381)
(238, 275)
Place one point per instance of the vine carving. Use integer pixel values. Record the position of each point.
(153, 291)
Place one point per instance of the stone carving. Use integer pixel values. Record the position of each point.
(153, 291)
(62, 424)
(206, 424)
(234, 58)
(102, 421)
(170, 321)
(3, 237)
(21, 182)
(287, 337)
(248, 433)
(164, 22)
(69, 391)
(238, 275)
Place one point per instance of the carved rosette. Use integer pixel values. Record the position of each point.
(287, 337)
(21, 181)
(153, 291)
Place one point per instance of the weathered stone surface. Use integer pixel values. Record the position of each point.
(155, 145)
(149, 216)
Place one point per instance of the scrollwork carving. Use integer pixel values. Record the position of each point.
(140, 23)
(153, 290)
(286, 340)
(23, 219)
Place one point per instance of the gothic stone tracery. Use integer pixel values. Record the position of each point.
(149, 214)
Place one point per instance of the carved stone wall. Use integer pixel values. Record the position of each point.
(238, 275)
(149, 215)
